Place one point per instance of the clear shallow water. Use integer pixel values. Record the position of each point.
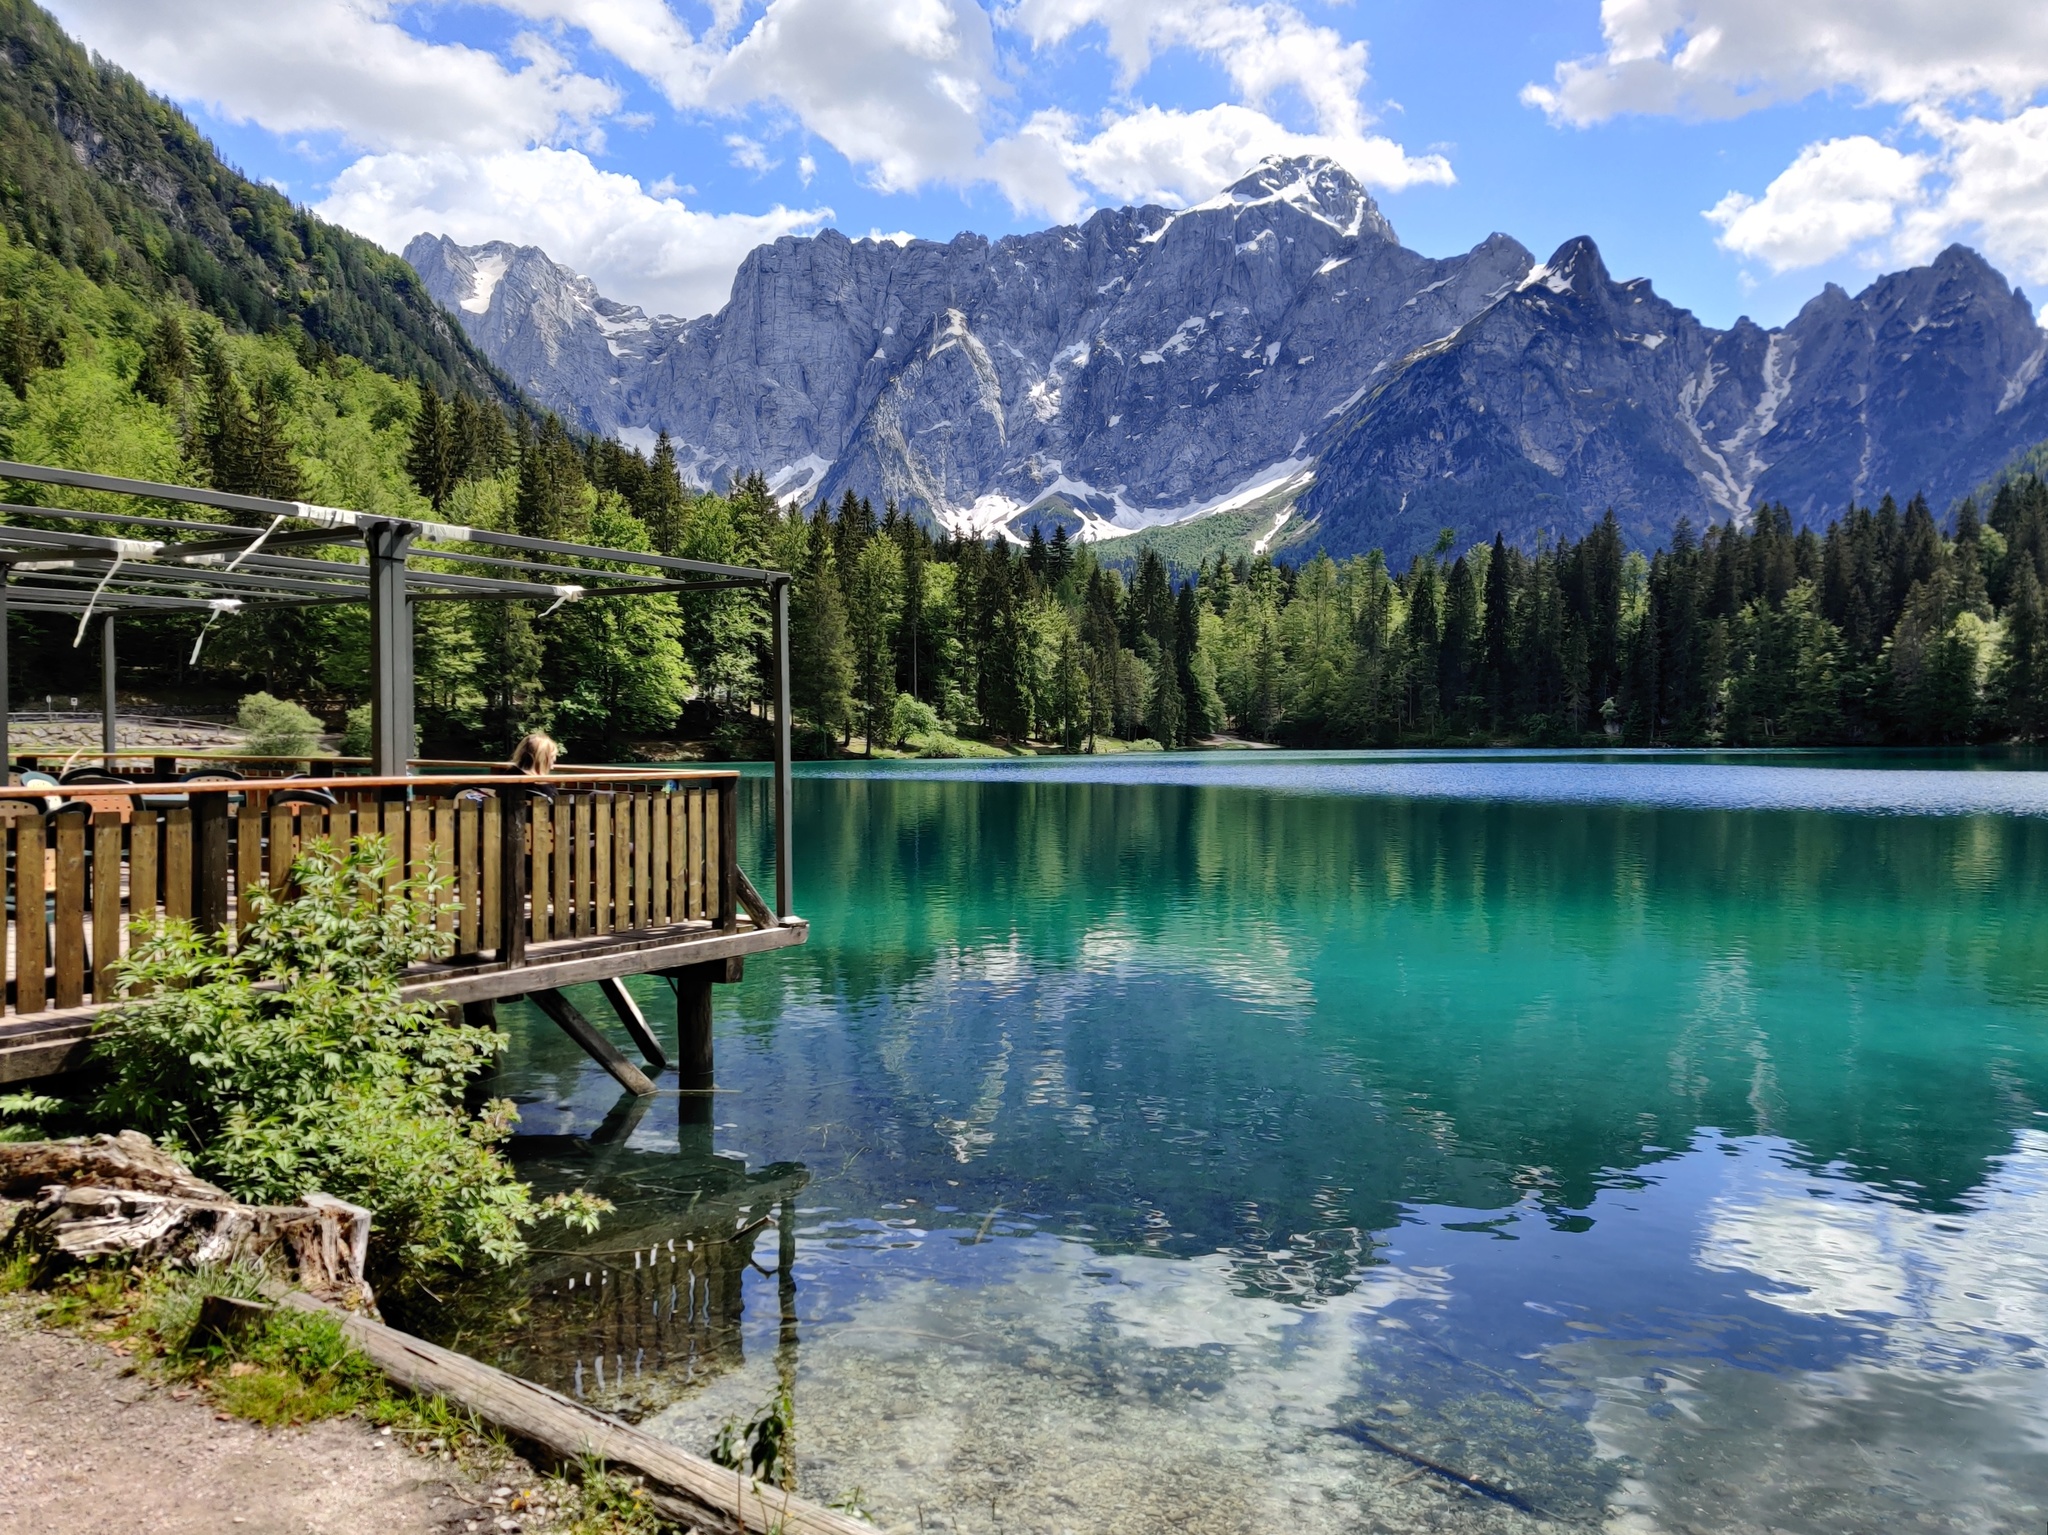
(1656, 1143)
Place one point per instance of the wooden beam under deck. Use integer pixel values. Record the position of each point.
(53, 1043)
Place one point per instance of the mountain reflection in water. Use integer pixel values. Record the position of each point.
(1161, 1149)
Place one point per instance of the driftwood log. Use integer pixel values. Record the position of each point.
(119, 1196)
(686, 1488)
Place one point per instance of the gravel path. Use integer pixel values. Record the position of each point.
(88, 1450)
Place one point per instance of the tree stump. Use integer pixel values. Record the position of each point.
(119, 1197)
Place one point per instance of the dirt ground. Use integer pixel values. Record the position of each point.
(88, 1450)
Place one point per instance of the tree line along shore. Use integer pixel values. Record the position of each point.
(1885, 627)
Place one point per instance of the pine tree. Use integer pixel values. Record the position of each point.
(552, 489)
(1059, 556)
(874, 602)
(165, 373)
(661, 509)
(820, 662)
(2023, 660)
(272, 469)
(1496, 659)
(221, 443)
(431, 457)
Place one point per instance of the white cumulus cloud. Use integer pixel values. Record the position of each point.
(1835, 197)
(1718, 58)
(1957, 80)
(342, 66)
(1153, 155)
(656, 251)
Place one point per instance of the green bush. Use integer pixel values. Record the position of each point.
(355, 734)
(294, 1064)
(276, 727)
(912, 717)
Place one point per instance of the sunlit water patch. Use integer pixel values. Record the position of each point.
(1151, 1153)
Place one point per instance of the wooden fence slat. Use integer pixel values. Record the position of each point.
(658, 834)
(419, 842)
(106, 901)
(678, 856)
(642, 844)
(726, 850)
(31, 919)
(586, 885)
(178, 864)
(564, 845)
(488, 925)
(248, 862)
(444, 866)
(70, 966)
(693, 833)
(144, 838)
(622, 861)
(282, 847)
(468, 872)
(540, 824)
(601, 844)
(394, 841)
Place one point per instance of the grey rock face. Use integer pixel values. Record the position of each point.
(1274, 342)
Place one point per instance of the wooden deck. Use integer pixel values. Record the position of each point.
(543, 883)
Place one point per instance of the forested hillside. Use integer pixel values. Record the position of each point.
(119, 185)
(162, 317)
(1882, 630)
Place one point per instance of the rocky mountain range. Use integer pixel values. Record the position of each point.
(1276, 353)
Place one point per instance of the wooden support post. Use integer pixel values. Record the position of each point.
(784, 855)
(391, 670)
(594, 1044)
(479, 1015)
(635, 1021)
(109, 720)
(210, 860)
(693, 985)
(511, 935)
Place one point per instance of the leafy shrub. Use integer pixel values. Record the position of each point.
(276, 727)
(355, 734)
(293, 1064)
(912, 717)
(25, 1109)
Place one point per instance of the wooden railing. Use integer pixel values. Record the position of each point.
(609, 857)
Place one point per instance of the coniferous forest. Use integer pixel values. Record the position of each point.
(162, 316)
(1886, 627)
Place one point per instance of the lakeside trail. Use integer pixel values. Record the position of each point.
(88, 1449)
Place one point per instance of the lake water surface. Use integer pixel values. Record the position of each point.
(1276, 1142)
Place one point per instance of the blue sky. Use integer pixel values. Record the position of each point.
(650, 143)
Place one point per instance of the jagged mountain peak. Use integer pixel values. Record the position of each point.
(1314, 184)
(1273, 353)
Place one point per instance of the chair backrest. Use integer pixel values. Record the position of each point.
(91, 776)
(211, 775)
(36, 778)
(306, 796)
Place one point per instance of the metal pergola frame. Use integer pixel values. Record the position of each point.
(103, 564)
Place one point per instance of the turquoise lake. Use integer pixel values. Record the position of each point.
(1304, 1142)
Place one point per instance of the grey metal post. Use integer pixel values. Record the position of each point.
(6, 751)
(109, 733)
(391, 699)
(779, 594)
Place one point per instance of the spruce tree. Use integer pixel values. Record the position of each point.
(661, 506)
(166, 369)
(551, 497)
(1496, 660)
(820, 662)
(430, 457)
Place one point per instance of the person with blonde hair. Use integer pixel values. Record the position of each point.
(536, 754)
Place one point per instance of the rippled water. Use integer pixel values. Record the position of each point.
(1354, 1142)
